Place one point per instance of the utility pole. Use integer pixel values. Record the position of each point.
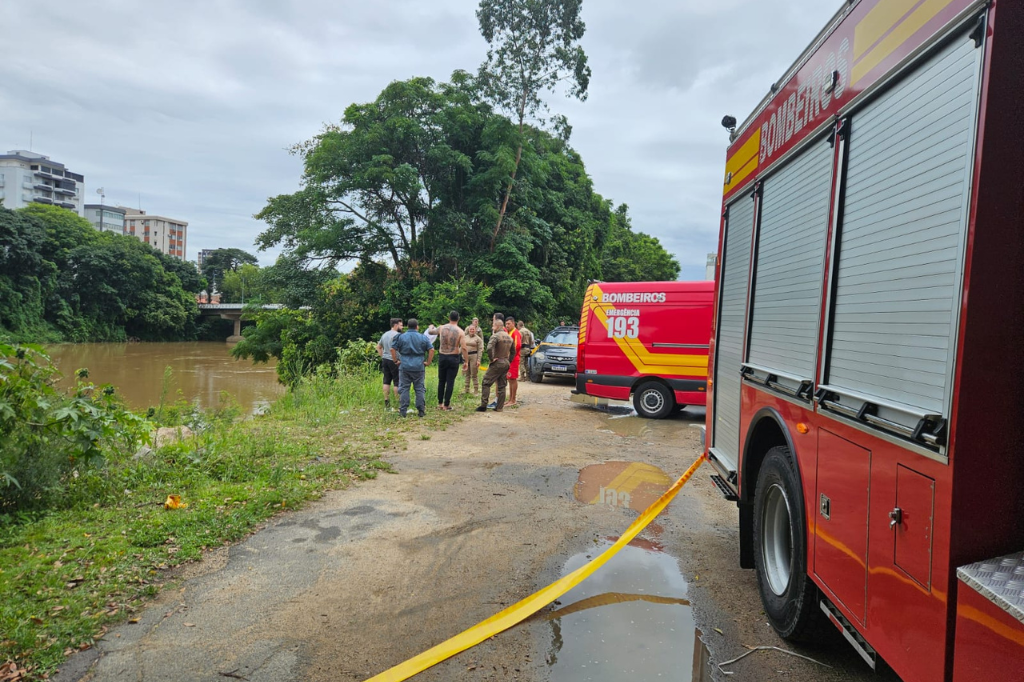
(103, 201)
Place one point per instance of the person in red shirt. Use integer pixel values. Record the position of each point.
(513, 370)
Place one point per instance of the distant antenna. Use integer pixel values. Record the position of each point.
(103, 200)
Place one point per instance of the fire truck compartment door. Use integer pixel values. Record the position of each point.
(912, 524)
(903, 234)
(786, 291)
(841, 524)
(732, 322)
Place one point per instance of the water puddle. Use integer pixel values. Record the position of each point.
(630, 620)
(633, 485)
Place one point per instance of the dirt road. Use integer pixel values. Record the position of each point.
(478, 517)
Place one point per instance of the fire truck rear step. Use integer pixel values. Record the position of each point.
(724, 488)
(850, 633)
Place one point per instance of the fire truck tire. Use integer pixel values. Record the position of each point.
(653, 400)
(789, 596)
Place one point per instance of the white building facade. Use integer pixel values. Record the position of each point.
(28, 177)
(167, 235)
(105, 218)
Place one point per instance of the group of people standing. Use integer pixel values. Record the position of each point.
(405, 355)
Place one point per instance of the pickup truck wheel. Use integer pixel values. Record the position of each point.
(789, 596)
(653, 400)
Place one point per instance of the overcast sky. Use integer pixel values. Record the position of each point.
(192, 104)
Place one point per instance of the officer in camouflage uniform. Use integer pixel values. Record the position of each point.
(524, 352)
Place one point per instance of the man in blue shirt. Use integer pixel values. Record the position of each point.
(407, 350)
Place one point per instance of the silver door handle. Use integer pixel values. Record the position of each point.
(895, 517)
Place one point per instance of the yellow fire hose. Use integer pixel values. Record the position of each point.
(522, 610)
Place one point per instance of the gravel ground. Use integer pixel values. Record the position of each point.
(478, 517)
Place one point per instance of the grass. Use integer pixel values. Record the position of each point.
(68, 575)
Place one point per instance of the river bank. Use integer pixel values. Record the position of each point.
(67, 575)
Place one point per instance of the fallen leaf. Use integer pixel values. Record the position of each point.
(719, 632)
(133, 621)
(37, 620)
(190, 625)
(174, 502)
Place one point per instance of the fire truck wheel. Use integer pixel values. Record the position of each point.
(653, 400)
(788, 594)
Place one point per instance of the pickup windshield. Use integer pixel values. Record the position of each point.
(561, 337)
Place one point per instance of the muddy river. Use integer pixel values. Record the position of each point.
(201, 372)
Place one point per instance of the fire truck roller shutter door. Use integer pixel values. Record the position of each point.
(786, 297)
(731, 327)
(903, 234)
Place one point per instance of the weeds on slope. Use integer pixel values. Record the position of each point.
(68, 573)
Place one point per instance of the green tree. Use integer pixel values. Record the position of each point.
(371, 184)
(458, 149)
(533, 48)
(242, 284)
(60, 279)
(221, 261)
(433, 301)
(635, 257)
(26, 278)
(291, 282)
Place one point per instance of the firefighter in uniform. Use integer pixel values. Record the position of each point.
(472, 349)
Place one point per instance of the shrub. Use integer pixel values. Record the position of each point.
(357, 356)
(47, 437)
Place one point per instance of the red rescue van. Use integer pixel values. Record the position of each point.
(648, 340)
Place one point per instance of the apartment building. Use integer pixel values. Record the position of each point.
(168, 235)
(105, 218)
(28, 177)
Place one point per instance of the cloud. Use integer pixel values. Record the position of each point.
(193, 104)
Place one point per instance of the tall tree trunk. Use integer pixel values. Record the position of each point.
(508, 194)
(515, 169)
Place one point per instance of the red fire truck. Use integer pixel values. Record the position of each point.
(865, 406)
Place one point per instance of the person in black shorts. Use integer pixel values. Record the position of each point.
(388, 365)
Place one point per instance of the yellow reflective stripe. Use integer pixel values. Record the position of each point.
(877, 22)
(522, 610)
(744, 154)
(911, 25)
(742, 173)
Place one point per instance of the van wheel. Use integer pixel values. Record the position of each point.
(789, 596)
(653, 400)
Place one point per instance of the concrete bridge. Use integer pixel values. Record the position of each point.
(231, 311)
